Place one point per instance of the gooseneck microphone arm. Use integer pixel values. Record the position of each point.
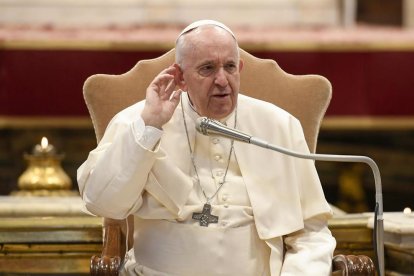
(208, 127)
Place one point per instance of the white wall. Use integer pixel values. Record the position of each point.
(98, 13)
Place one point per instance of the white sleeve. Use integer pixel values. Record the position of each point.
(146, 136)
(276, 255)
(310, 250)
(113, 177)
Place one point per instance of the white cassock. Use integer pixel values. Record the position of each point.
(268, 200)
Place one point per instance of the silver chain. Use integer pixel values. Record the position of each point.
(193, 161)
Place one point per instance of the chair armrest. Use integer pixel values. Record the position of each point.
(112, 250)
(352, 265)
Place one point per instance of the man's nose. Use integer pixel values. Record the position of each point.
(221, 77)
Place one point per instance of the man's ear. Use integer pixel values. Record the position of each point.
(179, 77)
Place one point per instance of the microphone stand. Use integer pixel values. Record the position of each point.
(208, 126)
(379, 220)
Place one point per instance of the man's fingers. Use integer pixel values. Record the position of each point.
(163, 79)
(169, 89)
(160, 83)
(169, 73)
(175, 95)
(163, 84)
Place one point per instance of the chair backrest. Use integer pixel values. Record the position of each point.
(306, 97)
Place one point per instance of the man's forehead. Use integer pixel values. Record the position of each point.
(197, 59)
(215, 60)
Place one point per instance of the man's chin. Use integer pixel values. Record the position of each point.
(220, 115)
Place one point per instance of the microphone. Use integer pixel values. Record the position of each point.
(209, 127)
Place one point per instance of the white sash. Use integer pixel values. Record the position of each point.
(169, 248)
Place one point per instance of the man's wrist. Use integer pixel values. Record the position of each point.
(151, 121)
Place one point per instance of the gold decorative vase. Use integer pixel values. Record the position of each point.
(44, 175)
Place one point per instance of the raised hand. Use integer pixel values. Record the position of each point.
(161, 98)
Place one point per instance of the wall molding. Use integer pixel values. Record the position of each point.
(14, 122)
(161, 38)
(368, 123)
(328, 123)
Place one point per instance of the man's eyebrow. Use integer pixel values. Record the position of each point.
(205, 62)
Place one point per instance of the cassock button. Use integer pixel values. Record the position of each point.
(226, 205)
(225, 197)
(216, 140)
(217, 157)
(219, 173)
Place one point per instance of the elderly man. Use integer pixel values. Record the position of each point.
(206, 205)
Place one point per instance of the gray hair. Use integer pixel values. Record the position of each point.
(182, 44)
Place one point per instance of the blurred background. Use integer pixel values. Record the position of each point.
(365, 48)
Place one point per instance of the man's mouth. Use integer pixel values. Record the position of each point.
(221, 95)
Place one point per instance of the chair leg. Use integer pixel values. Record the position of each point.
(105, 266)
(109, 263)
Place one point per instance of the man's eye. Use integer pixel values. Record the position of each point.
(206, 70)
(231, 67)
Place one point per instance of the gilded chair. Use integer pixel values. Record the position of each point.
(306, 97)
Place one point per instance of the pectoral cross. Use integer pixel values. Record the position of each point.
(205, 217)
